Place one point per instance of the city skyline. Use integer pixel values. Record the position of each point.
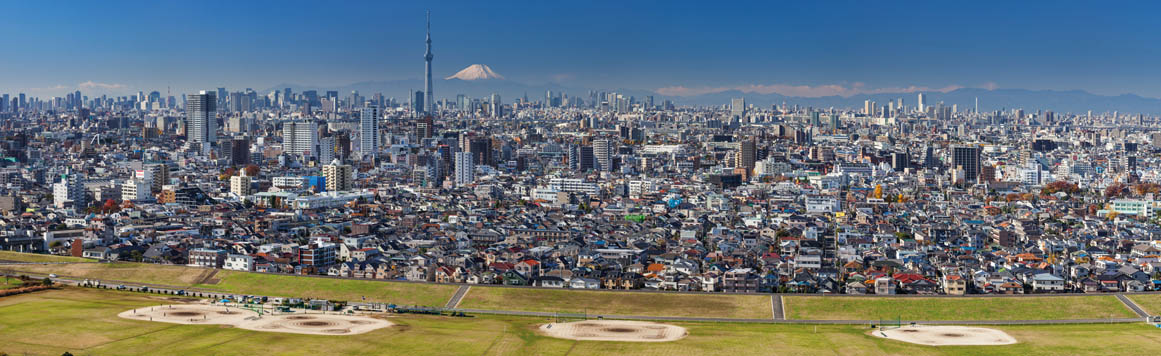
(788, 49)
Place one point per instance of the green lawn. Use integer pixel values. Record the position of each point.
(36, 257)
(330, 288)
(1150, 302)
(619, 303)
(84, 322)
(966, 308)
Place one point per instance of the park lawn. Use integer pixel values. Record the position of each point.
(957, 308)
(331, 288)
(37, 257)
(1150, 302)
(84, 322)
(619, 303)
(177, 276)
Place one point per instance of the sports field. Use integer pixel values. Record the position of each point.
(84, 321)
(619, 303)
(36, 257)
(965, 308)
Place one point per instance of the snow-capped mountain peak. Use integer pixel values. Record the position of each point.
(476, 72)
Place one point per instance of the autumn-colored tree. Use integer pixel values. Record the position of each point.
(1012, 197)
(1116, 190)
(110, 206)
(878, 191)
(252, 170)
(1146, 188)
(1059, 186)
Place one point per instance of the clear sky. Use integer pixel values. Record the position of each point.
(674, 47)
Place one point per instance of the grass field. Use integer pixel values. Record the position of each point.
(84, 322)
(250, 283)
(967, 308)
(1150, 302)
(121, 271)
(36, 257)
(350, 290)
(644, 304)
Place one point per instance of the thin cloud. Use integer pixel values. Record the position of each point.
(806, 91)
(95, 85)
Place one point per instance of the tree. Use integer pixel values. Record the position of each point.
(253, 170)
(46, 281)
(878, 191)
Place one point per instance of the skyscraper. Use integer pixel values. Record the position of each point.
(201, 123)
(738, 108)
(922, 102)
(430, 97)
(369, 131)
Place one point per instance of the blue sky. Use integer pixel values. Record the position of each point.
(675, 47)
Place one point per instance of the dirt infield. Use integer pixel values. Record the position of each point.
(614, 330)
(946, 335)
(317, 324)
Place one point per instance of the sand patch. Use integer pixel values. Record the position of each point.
(947, 335)
(614, 330)
(317, 324)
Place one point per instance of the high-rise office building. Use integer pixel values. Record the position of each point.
(968, 159)
(369, 131)
(201, 121)
(465, 168)
(339, 177)
(922, 102)
(497, 107)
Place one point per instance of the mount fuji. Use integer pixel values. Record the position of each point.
(476, 72)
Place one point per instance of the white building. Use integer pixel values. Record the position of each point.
(822, 204)
(300, 138)
(465, 169)
(240, 185)
(136, 190)
(69, 191)
(369, 131)
(573, 185)
(238, 263)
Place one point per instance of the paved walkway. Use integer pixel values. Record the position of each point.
(1129, 303)
(777, 307)
(458, 297)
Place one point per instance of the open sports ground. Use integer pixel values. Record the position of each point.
(86, 322)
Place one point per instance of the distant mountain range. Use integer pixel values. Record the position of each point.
(482, 81)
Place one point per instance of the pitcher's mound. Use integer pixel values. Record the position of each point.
(614, 330)
(946, 335)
